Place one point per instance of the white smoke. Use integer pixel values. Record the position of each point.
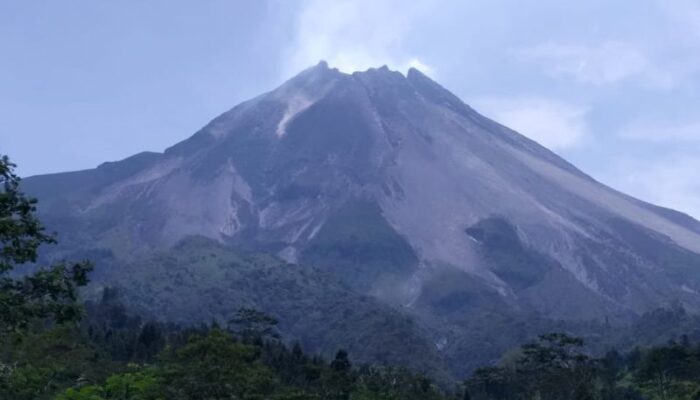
(354, 35)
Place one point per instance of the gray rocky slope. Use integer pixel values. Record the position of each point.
(399, 188)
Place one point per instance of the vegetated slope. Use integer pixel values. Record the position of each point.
(200, 281)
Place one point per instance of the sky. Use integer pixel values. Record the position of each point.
(612, 86)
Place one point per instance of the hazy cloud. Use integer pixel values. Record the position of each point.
(604, 63)
(554, 124)
(355, 35)
(655, 131)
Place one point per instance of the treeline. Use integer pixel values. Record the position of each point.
(556, 367)
(113, 355)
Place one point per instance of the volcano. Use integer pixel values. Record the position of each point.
(382, 189)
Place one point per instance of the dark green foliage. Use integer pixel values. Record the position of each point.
(21, 233)
(658, 327)
(339, 379)
(555, 367)
(138, 385)
(200, 281)
(215, 366)
(126, 338)
(395, 384)
(253, 324)
(37, 364)
(211, 363)
(671, 371)
(552, 367)
(48, 292)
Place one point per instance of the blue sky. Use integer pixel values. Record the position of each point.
(613, 86)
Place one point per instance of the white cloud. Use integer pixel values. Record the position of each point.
(660, 132)
(417, 64)
(670, 182)
(554, 124)
(354, 35)
(606, 63)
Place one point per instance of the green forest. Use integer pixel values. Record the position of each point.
(111, 355)
(53, 345)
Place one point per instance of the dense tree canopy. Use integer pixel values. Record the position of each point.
(49, 292)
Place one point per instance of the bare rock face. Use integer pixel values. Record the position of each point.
(396, 186)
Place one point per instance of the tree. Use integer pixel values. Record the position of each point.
(47, 361)
(339, 379)
(554, 367)
(393, 383)
(669, 372)
(496, 383)
(341, 363)
(551, 367)
(252, 324)
(49, 292)
(139, 385)
(215, 367)
(466, 395)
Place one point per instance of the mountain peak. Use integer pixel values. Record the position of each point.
(321, 68)
(415, 73)
(393, 186)
(383, 70)
(287, 170)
